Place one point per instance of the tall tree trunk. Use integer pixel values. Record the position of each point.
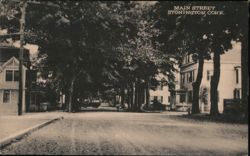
(136, 85)
(139, 97)
(114, 100)
(71, 91)
(122, 96)
(66, 106)
(142, 96)
(196, 87)
(244, 63)
(143, 90)
(244, 74)
(133, 97)
(66, 93)
(148, 92)
(214, 84)
(172, 100)
(129, 97)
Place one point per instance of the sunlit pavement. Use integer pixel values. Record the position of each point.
(124, 133)
(11, 124)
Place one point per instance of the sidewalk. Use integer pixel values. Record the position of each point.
(13, 124)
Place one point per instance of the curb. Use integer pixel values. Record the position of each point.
(19, 135)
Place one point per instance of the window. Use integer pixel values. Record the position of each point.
(236, 93)
(237, 76)
(169, 100)
(12, 75)
(183, 78)
(160, 99)
(190, 96)
(208, 75)
(6, 96)
(182, 98)
(16, 75)
(191, 76)
(8, 75)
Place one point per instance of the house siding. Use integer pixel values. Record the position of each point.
(12, 107)
(227, 83)
(164, 93)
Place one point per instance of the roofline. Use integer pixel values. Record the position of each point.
(12, 58)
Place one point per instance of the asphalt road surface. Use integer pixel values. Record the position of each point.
(123, 133)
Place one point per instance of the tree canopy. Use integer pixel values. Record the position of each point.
(90, 47)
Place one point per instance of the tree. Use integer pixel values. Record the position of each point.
(108, 46)
(218, 31)
(180, 37)
(223, 30)
(89, 54)
(59, 29)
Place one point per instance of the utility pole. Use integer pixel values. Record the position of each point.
(23, 6)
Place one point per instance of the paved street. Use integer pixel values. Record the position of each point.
(123, 133)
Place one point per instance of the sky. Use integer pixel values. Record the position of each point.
(231, 54)
(32, 48)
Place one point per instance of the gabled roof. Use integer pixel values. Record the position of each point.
(9, 61)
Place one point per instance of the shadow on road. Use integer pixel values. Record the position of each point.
(218, 118)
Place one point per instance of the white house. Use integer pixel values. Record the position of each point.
(161, 93)
(229, 84)
(9, 78)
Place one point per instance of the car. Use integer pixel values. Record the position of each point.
(95, 103)
(90, 103)
(156, 105)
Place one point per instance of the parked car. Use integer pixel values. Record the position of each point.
(156, 105)
(95, 103)
(90, 103)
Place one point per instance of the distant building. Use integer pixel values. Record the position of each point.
(161, 93)
(229, 84)
(9, 78)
